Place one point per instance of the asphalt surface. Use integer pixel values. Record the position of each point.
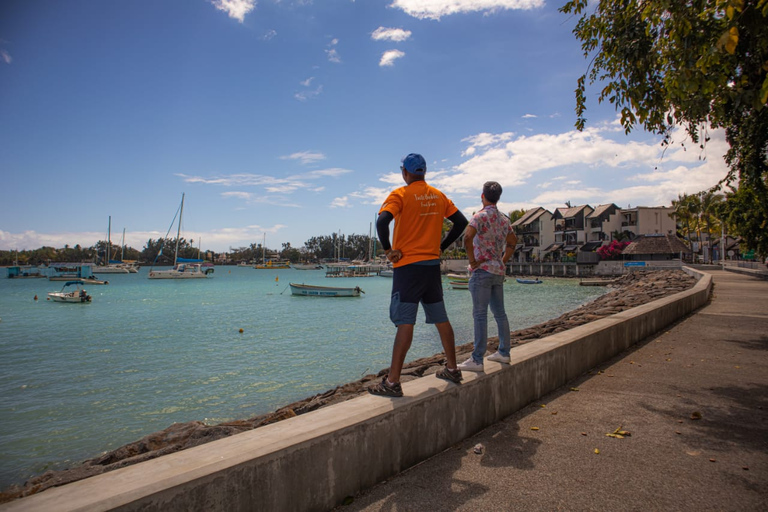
(693, 398)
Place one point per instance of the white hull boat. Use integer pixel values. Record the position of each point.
(306, 266)
(324, 291)
(110, 269)
(78, 295)
(182, 268)
(182, 271)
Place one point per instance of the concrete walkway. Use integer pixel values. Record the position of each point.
(694, 398)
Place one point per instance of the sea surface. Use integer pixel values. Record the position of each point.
(77, 380)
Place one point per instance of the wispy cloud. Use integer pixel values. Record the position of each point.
(435, 9)
(340, 202)
(390, 34)
(270, 184)
(236, 9)
(307, 82)
(269, 35)
(308, 95)
(389, 57)
(6, 57)
(330, 51)
(530, 116)
(305, 157)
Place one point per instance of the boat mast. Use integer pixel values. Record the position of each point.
(178, 232)
(122, 247)
(109, 239)
(263, 250)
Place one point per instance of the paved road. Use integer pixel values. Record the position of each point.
(713, 365)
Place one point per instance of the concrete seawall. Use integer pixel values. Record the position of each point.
(313, 461)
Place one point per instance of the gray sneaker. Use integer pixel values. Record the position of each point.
(470, 366)
(496, 356)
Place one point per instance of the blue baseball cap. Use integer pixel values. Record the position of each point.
(414, 163)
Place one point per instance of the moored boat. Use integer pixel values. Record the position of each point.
(324, 291)
(23, 272)
(182, 268)
(306, 266)
(529, 281)
(76, 295)
(73, 272)
(272, 265)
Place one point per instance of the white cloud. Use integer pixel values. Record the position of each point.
(305, 157)
(332, 172)
(333, 55)
(589, 167)
(530, 116)
(341, 202)
(269, 35)
(306, 95)
(374, 195)
(238, 195)
(236, 9)
(390, 34)
(307, 82)
(6, 57)
(435, 9)
(389, 57)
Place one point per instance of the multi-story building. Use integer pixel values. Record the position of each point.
(534, 233)
(570, 229)
(602, 223)
(647, 220)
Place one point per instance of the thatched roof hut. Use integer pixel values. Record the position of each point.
(656, 247)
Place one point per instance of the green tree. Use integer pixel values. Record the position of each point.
(515, 215)
(695, 64)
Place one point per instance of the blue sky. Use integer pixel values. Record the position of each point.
(288, 118)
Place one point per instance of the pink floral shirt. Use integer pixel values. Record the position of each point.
(491, 239)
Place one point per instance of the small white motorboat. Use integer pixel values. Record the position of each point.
(324, 291)
(306, 266)
(77, 295)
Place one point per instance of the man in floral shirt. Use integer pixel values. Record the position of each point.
(490, 242)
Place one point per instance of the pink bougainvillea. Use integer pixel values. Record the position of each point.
(612, 251)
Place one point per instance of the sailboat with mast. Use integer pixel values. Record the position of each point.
(271, 264)
(183, 268)
(110, 267)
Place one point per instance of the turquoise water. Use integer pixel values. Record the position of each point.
(80, 379)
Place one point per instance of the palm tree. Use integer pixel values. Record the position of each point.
(710, 209)
(683, 215)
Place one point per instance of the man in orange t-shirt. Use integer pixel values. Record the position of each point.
(418, 210)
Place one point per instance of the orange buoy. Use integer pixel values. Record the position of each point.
(241, 330)
(35, 297)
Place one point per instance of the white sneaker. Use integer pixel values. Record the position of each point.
(470, 366)
(496, 356)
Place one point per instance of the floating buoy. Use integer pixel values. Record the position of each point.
(35, 297)
(241, 330)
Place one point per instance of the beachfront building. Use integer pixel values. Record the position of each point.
(646, 220)
(656, 247)
(602, 223)
(535, 233)
(570, 232)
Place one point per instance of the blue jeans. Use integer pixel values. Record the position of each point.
(488, 289)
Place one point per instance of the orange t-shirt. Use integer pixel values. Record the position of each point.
(419, 211)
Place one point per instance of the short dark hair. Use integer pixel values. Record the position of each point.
(492, 191)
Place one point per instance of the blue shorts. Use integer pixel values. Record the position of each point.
(414, 284)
